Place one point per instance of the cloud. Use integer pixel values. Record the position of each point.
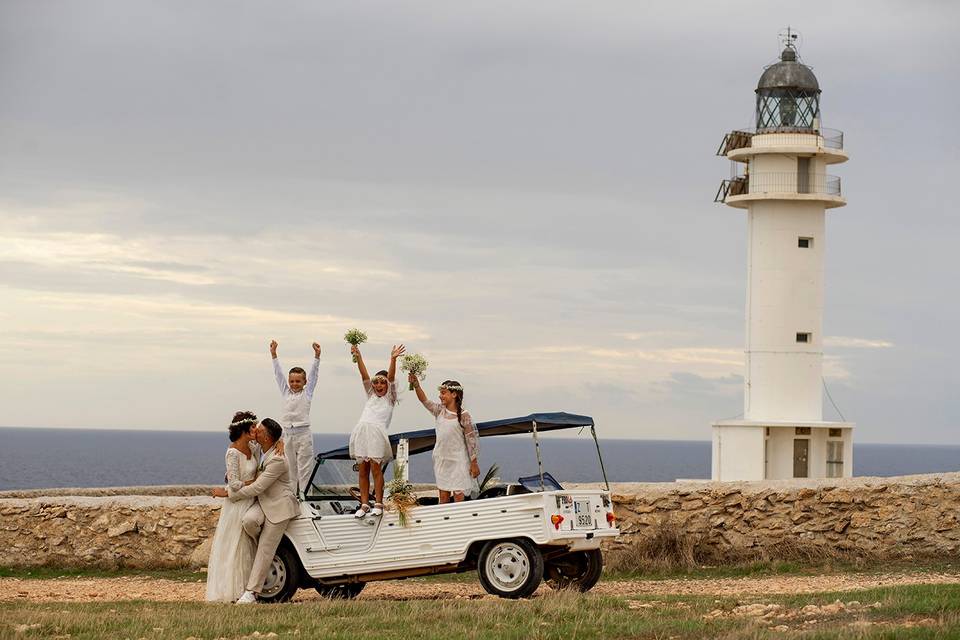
(683, 384)
(855, 343)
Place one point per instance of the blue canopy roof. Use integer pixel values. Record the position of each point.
(424, 439)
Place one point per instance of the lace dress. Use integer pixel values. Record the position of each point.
(231, 556)
(456, 446)
(369, 439)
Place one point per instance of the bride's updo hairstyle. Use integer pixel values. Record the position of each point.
(241, 423)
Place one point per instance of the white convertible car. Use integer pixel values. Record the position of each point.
(513, 535)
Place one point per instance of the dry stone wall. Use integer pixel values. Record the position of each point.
(880, 518)
(145, 532)
(913, 516)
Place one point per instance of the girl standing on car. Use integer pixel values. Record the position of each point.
(369, 442)
(455, 453)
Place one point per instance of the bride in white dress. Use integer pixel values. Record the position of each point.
(231, 556)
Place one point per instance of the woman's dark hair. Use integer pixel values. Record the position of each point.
(299, 370)
(273, 428)
(382, 372)
(242, 422)
(459, 397)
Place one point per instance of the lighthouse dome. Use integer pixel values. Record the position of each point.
(788, 73)
(788, 96)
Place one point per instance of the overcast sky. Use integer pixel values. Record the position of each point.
(521, 191)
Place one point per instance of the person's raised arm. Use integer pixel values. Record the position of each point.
(278, 370)
(432, 407)
(355, 350)
(394, 354)
(314, 368)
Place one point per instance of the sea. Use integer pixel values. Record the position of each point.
(32, 458)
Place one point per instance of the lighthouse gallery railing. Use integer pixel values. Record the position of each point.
(743, 138)
(779, 182)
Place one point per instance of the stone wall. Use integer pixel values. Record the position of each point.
(878, 518)
(910, 516)
(146, 532)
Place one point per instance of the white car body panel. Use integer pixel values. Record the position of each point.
(335, 547)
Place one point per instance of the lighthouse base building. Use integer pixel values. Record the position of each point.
(780, 179)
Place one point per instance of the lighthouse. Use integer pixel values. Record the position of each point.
(779, 176)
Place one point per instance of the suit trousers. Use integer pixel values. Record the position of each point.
(270, 534)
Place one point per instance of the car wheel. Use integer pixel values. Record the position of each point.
(510, 568)
(341, 591)
(579, 570)
(283, 576)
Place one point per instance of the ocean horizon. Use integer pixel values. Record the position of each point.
(43, 458)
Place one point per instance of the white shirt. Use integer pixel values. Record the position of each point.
(295, 407)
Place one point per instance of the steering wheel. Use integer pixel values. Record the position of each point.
(355, 494)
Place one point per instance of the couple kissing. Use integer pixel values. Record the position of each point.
(260, 504)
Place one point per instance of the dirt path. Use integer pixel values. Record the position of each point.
(160, 590)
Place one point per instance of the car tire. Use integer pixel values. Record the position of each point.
(347, 591)
(283, 576)
(578, 570)
(510, 568)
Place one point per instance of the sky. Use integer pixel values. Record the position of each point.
(520, 191)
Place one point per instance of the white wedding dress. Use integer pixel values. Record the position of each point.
(231, 556)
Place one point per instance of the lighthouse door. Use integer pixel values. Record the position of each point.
(801, 454)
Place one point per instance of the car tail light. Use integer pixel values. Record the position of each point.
(611, 518)
(556, 519)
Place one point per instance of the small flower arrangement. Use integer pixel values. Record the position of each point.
(415, 364)
(355, 337)
(402, 498)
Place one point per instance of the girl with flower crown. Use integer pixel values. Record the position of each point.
(455, 453)
(369, 442)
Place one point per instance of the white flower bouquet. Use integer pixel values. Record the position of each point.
(415, 364)
(355, 337)
(402, 498)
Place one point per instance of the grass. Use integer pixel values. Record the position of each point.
(910, 612)
(743, 570)
(52, 573)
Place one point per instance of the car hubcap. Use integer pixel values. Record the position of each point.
(276, 578)
(507, 566)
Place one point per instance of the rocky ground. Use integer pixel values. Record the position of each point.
(164, 590)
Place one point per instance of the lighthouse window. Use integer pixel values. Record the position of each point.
(835, 433)
(805, 337)
(805, 243)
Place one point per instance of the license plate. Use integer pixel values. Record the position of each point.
(584, 518)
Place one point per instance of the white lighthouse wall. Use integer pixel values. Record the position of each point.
(737, 453)
(784, 298)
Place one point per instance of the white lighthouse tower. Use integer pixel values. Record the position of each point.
(780, 179)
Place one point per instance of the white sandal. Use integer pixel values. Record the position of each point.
(377, 509)
(362, 511)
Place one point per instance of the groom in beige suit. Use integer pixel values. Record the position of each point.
(276, 505)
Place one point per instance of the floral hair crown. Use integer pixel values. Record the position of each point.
(244, 421)
(379, 377)
(450, 387)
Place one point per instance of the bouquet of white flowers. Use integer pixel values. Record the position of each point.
(355, 337)
(402, 498)
(415, 364)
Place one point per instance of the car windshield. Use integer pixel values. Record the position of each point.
(333, 479)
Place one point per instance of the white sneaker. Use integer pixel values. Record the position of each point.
(362, 511)
(248, 597)
(377, 510)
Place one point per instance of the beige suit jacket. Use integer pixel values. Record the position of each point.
(271, 489)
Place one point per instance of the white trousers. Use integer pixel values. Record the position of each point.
(298, 450)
